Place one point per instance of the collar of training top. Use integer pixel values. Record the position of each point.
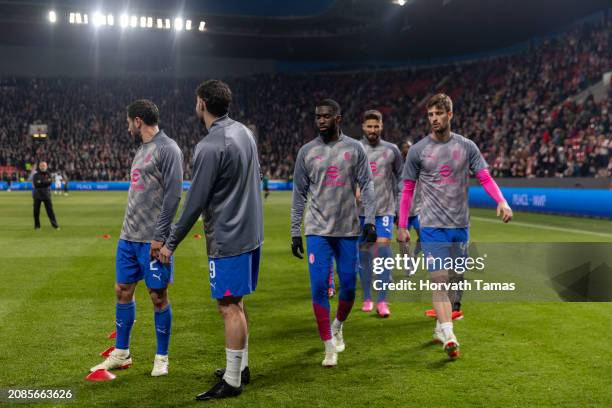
(221, 121)
(340, 137)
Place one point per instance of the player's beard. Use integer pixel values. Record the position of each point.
(136, 136)
(373, 138)
(441, 130)
(329, 133)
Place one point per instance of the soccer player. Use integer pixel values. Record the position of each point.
(57, 180)
(386, 164)
(403, 147)
(413, 219)
(65, 177)
(226, 189)
(441, 162)
(153, 198)
(328, 170)
(266, 185)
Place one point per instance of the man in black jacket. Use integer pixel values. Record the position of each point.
(41, 193)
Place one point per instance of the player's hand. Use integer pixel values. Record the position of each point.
(297, 247)
(403, 235)
(369, 233)
(164, 255)
(504, 211)
(155, 247)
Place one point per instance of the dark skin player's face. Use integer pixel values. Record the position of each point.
(372, 128)
(326, 120)
(439, 119)
(404, 150)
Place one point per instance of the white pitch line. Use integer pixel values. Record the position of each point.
(546, 227)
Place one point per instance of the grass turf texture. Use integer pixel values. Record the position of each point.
(57, 306)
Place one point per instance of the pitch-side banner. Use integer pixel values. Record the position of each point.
(563, 201)
(118, 185)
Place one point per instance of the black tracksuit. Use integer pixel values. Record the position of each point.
(41, 193)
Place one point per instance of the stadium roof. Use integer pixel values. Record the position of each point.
(302, 30)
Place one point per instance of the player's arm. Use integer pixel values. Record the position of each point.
(301, 184)
(409, 177)
(171, 168)
(368, 199)
(398, 165)
(205, 165)
(479, 166)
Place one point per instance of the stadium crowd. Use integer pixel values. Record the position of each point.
(520, 109)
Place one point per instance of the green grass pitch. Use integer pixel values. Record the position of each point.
(57, 306)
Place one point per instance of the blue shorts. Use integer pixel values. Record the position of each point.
(443, 244)
(234, 276)
(134, 263)
(321, 252)
(384, 226)
(413, 222)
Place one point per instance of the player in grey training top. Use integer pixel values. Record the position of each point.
(226, 189)
(155, 190)
(154, 195)
(386, 164)
(404, 148)
(441, 163)
(413, 219)
(327, 172)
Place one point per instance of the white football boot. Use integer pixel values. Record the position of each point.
(160, 366)
(117, 360)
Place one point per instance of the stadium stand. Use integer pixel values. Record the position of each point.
(520, 109)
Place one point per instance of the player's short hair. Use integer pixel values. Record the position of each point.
(145, 110)
(217, 96)
(332, 104)
(404, 143)
(441, 101)
(372, 114)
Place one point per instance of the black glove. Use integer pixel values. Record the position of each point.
(297, 247)
(369, 233)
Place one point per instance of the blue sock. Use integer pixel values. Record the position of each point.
(125, 315)
(365, 273)
(163, 327)
(384, 251)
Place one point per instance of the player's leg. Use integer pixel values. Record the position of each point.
(37, 213)
(231, 278)
(384, 251)
(128, 273)
(319, 258)
(365, 275)
(157, 277)
(437, 248)
(245, 373)
(365, 271)
(125, 314)
(236, 331)
(162, 312)
(413, 223)
(346, 252)
(235, 325)
(460, 246)
(384, 231)
(331, 291)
